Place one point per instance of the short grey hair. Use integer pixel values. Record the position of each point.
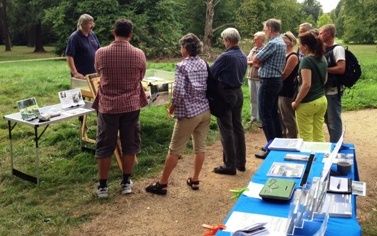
(260, 34)
(84, 18)
(307, 26)
(191, 43)
(231, 34)
(274, 24)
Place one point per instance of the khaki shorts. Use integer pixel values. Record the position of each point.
(195, 127)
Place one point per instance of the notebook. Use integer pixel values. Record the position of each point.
(277, 189)
(28, 108)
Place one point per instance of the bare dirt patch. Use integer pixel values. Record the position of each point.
(183, 211)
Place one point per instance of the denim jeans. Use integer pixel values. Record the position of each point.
(268, 96)
(231, 130)
(333, 117)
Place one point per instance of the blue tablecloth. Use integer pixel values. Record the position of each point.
(335, 226)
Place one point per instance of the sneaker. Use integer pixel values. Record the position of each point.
(127, 187)
(102, 192)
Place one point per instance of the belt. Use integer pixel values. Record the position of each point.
(270, 78)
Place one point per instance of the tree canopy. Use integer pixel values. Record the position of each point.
(158, 24)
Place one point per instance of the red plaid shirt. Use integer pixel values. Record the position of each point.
(121, 67)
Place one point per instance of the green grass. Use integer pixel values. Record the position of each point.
(25, 53)
(64, 199)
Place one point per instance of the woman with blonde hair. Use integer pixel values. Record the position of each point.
(286, 95)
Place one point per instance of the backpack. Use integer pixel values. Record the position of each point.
(352, 71)
(216, 100)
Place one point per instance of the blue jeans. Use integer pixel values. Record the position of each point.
(333, 117)
(268, 96)
(231, 130)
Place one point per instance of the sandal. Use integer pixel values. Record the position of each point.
(157, 188)
(193, 184)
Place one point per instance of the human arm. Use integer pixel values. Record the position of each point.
(72, 67)
(289, 66)
(339, 69)
(306, 76)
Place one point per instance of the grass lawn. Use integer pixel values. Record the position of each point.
(65, 199)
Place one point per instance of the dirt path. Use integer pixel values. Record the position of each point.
(183, 211)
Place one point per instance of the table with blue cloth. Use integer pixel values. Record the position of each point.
(336, 225)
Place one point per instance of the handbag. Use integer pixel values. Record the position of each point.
(216, 100)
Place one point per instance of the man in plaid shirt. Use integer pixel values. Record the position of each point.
(118, 102)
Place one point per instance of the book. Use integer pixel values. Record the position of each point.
(339, 185)
(278, 189)
(290, 170)
(337, 205)
(71, 98)
(286, 144)
(28, 108)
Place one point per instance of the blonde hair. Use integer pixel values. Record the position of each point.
(329, 28)
(291, 37)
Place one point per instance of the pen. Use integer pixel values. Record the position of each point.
(338, 186)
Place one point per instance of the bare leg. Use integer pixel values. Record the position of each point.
(128, 162)
(170, 164)
(199, 159)
(104, 167)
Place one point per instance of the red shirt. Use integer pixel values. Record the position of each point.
(121, 67)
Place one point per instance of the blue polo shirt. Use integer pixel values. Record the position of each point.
(83, 49)
(230, 67)
(272, 57)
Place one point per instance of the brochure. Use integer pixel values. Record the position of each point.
(286, 144)
(71, 98)
(290, 170)
(28, 108)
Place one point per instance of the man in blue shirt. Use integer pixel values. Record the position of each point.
(81, 48)
(272, 61)
(230, 68)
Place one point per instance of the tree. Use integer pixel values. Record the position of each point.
(5, 26)
(323, 20)
(208, 30)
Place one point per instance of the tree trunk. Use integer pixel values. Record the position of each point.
(4, 21)
(208, 28)
(38, 38)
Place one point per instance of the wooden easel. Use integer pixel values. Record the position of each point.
(94, 82)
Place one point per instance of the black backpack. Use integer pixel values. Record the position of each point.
(352, 71)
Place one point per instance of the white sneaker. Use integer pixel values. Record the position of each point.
(127, 188)
(102, 192)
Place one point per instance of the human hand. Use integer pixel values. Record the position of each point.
(78, 75)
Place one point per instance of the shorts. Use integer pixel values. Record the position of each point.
(108, 127)
(184, 128)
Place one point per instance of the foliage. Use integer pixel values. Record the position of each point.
(323, 20)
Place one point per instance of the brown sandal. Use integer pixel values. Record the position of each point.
(191, 183)
(157, 188)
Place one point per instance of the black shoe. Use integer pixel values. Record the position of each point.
(240, 168)
(261, 155)
(224, 171)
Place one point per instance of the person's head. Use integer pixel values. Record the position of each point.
(123, 28)
(304, 27)
(311, 43)
(259, 38)
(190, 44)
(289, 39)
(271, 27)
(231, 37)
(85, 22)
(327, 32)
